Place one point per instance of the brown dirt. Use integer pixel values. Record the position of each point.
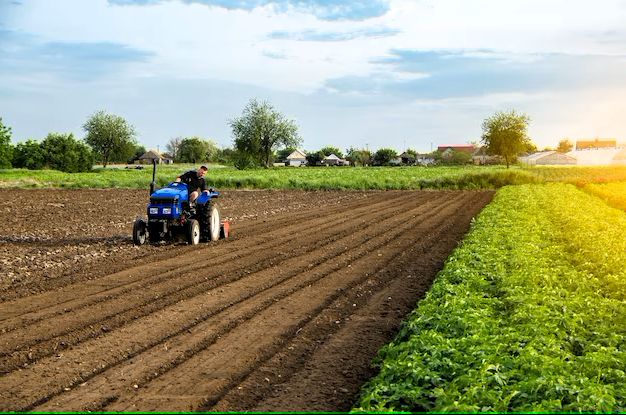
(283, 316)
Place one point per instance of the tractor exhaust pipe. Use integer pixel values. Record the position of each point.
(153, 184)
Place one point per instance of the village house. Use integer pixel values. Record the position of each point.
(296, 158)
(333, 160)
(459, 147)
(152, 154)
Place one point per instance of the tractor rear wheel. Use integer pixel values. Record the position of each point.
(210, 220)
(139, 232)
(193, 232)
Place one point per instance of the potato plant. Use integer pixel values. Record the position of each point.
(527, 315)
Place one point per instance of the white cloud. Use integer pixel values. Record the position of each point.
(348, 71)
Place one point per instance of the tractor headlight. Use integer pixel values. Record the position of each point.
(167, 210)
(154, 210)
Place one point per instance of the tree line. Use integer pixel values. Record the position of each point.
(260, 135)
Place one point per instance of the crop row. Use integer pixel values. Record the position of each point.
(527, 315)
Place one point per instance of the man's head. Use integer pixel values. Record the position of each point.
(202, 171)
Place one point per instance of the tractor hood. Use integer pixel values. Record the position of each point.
(171, 191)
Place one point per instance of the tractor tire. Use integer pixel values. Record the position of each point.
(209, 217)
(139, 231)
(193, 232)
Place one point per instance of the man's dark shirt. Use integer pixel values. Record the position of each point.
(190, 178)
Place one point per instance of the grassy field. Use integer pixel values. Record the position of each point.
(313, 178)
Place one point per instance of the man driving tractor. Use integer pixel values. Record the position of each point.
(194, 179)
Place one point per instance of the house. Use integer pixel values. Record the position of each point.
(296, 158)
(481, 157)
(597, 143)
(333, 160)
(150, 155)
(459, 147)
(425, 159)
(548, 157)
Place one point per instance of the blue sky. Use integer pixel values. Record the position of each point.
(368, 74)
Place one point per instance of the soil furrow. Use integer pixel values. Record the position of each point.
(132, 304)
(318, 274)
(283, 316)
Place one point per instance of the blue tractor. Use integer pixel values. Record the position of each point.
(171, 215)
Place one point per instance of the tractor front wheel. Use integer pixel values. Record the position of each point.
(139, 232)
(193, 232)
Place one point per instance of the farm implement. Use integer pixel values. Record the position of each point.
(171, 216)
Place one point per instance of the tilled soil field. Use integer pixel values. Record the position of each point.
(284, 315)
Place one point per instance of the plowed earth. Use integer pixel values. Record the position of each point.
(284, 315)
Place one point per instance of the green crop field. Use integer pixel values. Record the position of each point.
(313, 178)
(528, 314)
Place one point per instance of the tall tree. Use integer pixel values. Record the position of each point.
(6, 149)
(564, 146)
(261, 130)
(504, 134)
(173, 148)
(110, 136)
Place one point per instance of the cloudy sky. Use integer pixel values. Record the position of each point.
(368, 74)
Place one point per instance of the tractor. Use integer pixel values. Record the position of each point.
(171, 215)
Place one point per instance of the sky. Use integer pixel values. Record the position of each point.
(365, 74)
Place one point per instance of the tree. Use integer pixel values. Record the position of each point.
(261, 130)
(331, 150)
(110, 137)
(28, 155)
(358, 157)
(173, 148)
(384, 156)
(564, 146)
(282, 154)
(314, 158)
(6, 149)
(411, 152)
(140, 150)
(195, 149)
(530, 148)
(62, 152)
(504, 134)
(212, 151)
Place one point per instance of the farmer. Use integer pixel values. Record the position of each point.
(194, 179)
